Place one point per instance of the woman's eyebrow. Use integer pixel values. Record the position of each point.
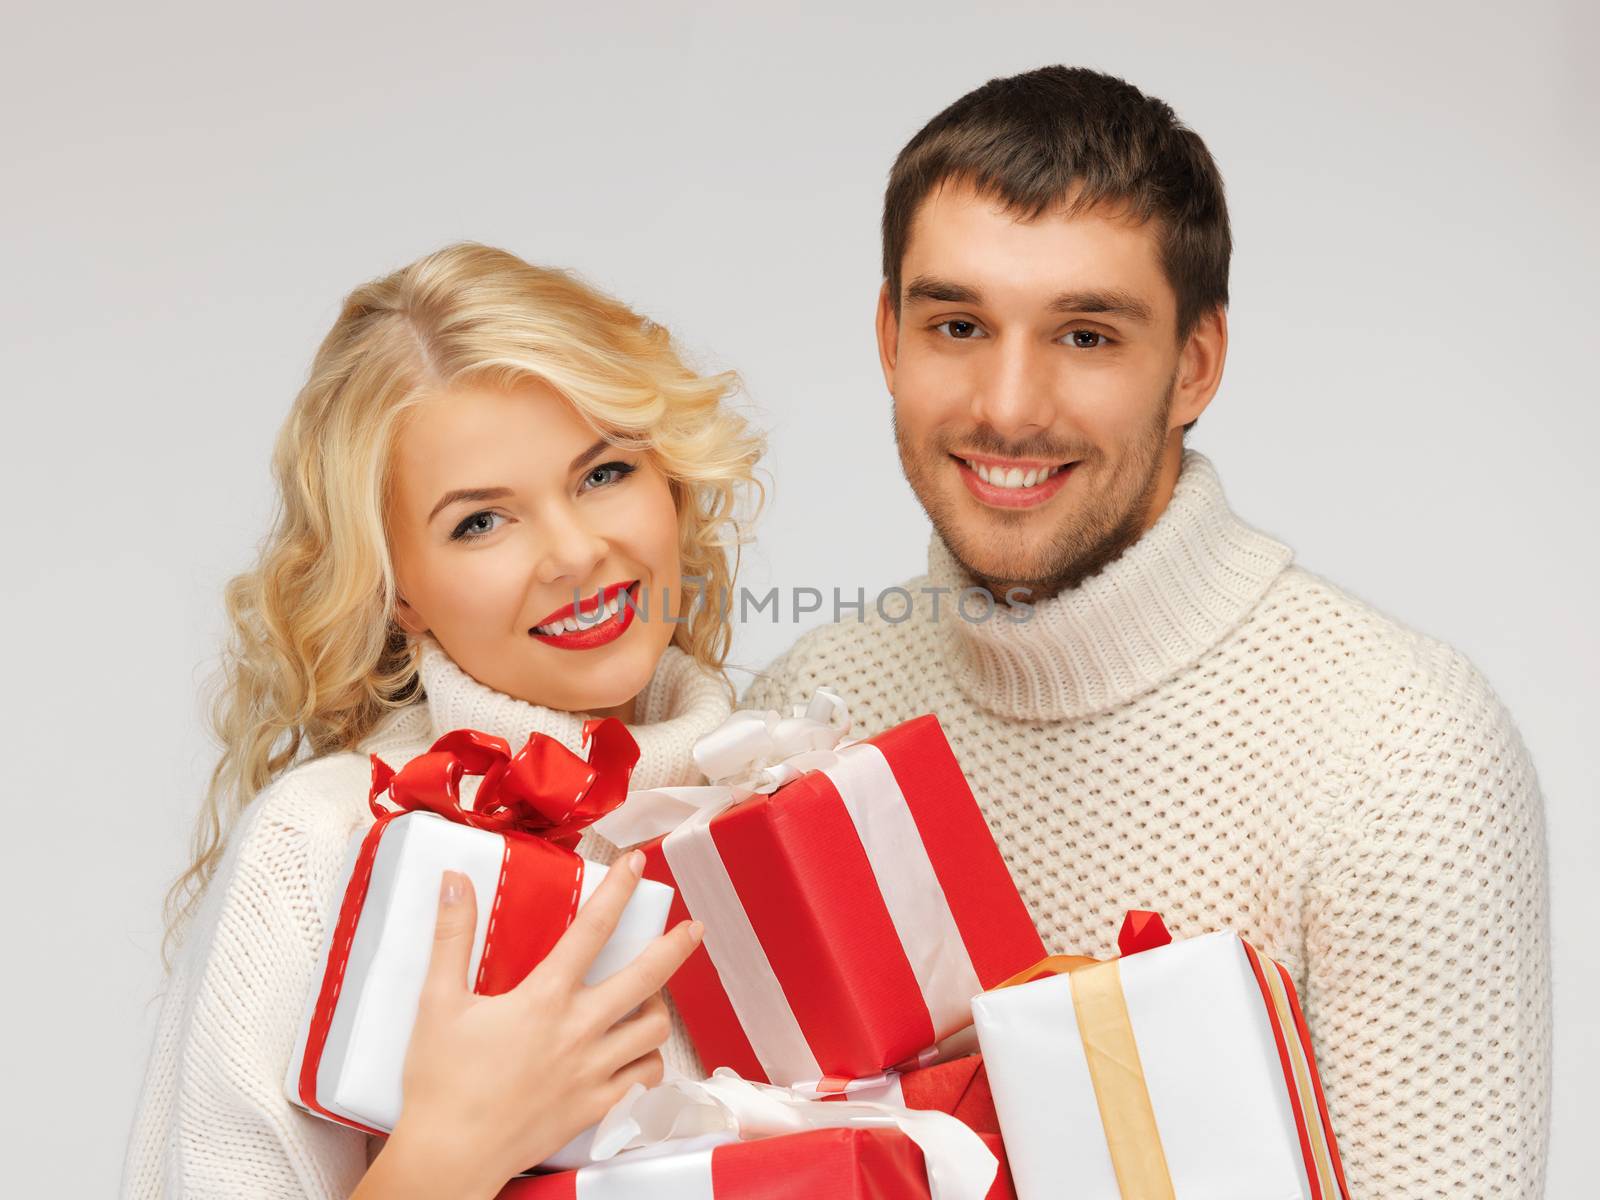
(589, 455)
(482, 493)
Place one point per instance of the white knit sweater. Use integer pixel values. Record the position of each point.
(213, 1120)
(1205, 730)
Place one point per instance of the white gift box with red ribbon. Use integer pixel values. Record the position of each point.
(350, 1049)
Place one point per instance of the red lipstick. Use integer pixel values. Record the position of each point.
(583, 627)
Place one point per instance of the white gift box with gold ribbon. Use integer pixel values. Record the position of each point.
(1178, 1072)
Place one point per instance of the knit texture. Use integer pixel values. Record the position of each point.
(1205, 730)
(213, 1119)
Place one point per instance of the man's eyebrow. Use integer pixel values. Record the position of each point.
(460, 494)
(1112, 304)
(942, 291)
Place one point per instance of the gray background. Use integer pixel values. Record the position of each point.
(190, 189)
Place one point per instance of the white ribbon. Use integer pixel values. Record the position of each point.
(759, 752)
(684, 1172)
(917, 905)
(741, 962)
(649, 1123)
(748, 754)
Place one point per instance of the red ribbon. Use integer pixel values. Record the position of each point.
(544, 790)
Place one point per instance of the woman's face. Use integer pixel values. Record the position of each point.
(509, 520)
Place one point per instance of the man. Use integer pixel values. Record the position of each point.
(1168, 714)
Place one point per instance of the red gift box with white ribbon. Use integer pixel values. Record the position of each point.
(513, 838)
(726, 1138)
(820, 1164)
(959, 1087)
(853, 898)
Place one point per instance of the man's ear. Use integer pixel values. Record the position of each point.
(408, 617)
(888, 335)
(1200, 366)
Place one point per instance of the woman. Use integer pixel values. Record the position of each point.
(485, 455)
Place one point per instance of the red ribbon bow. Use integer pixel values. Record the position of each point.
(544, 789)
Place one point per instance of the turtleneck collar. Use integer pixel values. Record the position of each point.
(681, 703)
(1188, 581)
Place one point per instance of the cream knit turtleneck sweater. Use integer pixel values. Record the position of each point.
(213, 1120)
(1205, 730)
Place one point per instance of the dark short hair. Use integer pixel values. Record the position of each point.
(1071, 136)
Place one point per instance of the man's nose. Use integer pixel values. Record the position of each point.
(1015, 398)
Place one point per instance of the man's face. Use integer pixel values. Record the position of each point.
(1040, 390)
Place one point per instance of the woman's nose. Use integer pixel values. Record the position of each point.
(570, 550)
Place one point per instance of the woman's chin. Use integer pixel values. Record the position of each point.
(606, 690)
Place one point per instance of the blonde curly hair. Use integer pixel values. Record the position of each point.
(316, 656)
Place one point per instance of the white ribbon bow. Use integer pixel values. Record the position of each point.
(751, 753)
(648, 1121)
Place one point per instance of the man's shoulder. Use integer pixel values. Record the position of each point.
(1307, 624)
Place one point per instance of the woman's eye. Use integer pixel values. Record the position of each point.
(1087, 339)
(479, 524)
(607, 473)
(960, 330)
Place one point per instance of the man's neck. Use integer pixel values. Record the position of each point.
(1172, 595)
(1154, 503)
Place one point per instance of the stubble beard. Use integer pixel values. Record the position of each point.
(1028, 565)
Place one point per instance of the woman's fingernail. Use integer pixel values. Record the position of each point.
(453, 888)
(636, 862)
(696, 932)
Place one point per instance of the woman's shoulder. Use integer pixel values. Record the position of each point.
(286, 855)
(324, 799)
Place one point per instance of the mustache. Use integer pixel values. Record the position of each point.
(982, 439)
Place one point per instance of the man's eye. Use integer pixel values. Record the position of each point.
(960, 330)
(479, 524)
(1087, 339)
(607, 473)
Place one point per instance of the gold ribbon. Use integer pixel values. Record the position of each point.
(1112, 1056)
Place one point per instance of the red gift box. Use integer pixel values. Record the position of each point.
(821, 1164)
(850, 916)
(959, 1087)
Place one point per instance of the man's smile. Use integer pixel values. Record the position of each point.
(1011, 482)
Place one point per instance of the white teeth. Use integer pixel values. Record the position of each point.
(1014, 477)
(606, 610)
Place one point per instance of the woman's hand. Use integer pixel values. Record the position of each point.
(495, 1084)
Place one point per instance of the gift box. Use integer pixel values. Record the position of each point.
(822, 1164)
(728, 1137)
(959, 1087)
(853, 898)
(1181, 1069)
(515, 844)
